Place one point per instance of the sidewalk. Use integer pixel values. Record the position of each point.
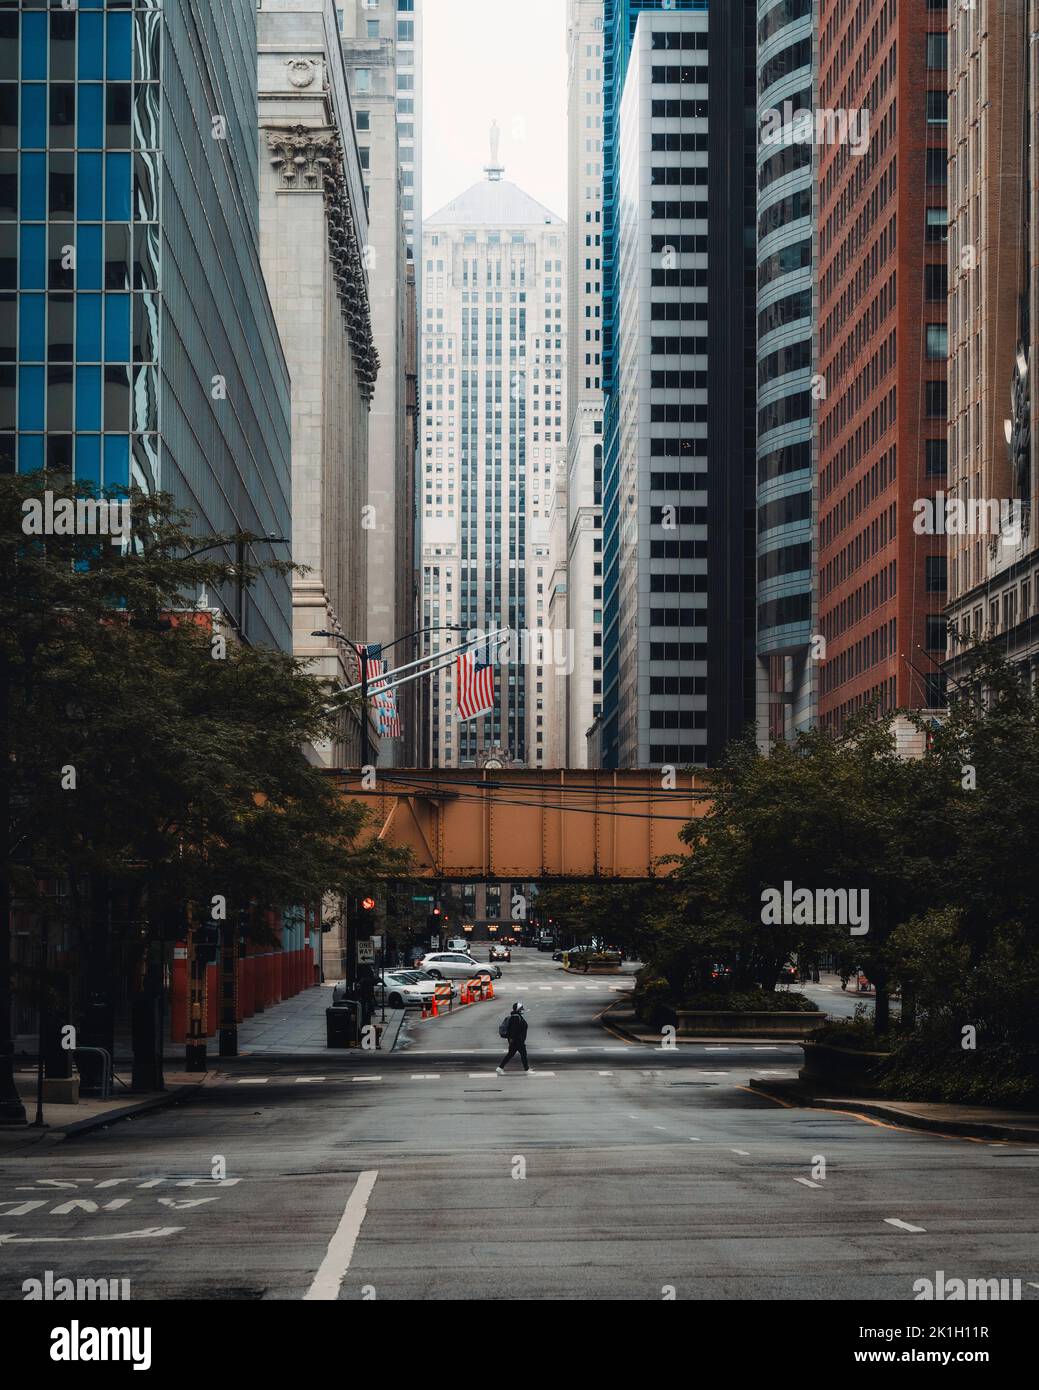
(966, 1121)
(297, 1026)
(62, 1121)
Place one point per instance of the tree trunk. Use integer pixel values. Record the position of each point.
(882, 1008)
(11, 1107)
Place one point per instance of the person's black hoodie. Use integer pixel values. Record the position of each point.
(517, 1028)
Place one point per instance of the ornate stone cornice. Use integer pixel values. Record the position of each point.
(311, 158)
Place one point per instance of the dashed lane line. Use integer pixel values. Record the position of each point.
(903, 1225)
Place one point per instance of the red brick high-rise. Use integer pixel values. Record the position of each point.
(882, 287)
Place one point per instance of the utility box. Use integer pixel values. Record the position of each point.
(343, 1025)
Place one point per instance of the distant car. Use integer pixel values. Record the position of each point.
(546, 945)
(403, 989)
(455, 965)
(499, 951)
(788, 974)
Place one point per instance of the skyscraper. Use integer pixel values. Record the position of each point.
(491, 440)
(372, 55)
(141, 343)
(584, 378)
(786, 553)
(992, 220)
(882, 357)
(678, 373)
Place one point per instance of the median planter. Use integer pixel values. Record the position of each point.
(593, 969)
(849, 1068)
(764, 1023)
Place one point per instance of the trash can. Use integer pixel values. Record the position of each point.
(343, 1025)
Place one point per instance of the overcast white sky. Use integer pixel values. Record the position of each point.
(494, 59)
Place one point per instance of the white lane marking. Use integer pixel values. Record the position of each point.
(569, 986)
(145, 1233)
(366, 1078)
(566, 1049)
(902, 1225)
(806, 1182)
(660, 1127)
(473, 1075)
(329, 1278)
(693, 1139)
(536, 1071)
(544, 986)
(606, 1073)
(1033, 1286)
(253, 1080)
(309, 1080)
(743, 1153)
(713, 1047)
(523, 986)
(425, 1076)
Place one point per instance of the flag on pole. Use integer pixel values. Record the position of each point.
(475, 684)
(385, 699)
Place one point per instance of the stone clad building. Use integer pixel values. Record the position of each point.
(313, 233)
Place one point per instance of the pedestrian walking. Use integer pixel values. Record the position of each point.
(514, 1028)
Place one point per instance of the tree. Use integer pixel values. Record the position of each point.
(147, 768)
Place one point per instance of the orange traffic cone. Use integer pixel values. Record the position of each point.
(425, 1011)
(435, 1013)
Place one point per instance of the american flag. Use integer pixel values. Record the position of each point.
(475, 684)
(385, 700)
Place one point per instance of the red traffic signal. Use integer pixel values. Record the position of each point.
(367, 904)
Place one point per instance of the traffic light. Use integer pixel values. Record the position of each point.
(207, 943)
(367, 906)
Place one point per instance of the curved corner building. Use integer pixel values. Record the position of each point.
(785, 356)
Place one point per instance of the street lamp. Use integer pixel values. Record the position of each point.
(360, 651)
(239, 565)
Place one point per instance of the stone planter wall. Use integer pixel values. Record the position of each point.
(709, 1023)
(841, 1066)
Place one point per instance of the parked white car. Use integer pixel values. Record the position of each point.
(455, 965)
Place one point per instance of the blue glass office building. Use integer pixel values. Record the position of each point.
(137, 342)
(786, 354)
(704, 100)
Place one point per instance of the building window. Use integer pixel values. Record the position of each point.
(937, 224)
(937, 165)
(364, 120)
(937, 50)
(373, 29)
(937, 457)
(363, 79)
(937, 342)
(937, 108)
(934, 574)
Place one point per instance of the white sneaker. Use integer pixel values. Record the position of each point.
(498, 1071)
(529, 1071)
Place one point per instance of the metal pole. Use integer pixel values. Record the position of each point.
(362, 656)
(502, 633)
(38, 1122)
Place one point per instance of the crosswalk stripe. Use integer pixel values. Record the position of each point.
(308, 1080)
(805, 1182)
(425, 1076)
(253, 1080)
(366, 1078)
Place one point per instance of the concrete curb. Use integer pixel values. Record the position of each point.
(791, 1093)
(109, 1117)
(653, 1039)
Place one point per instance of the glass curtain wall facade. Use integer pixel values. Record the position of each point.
(785, 353)
(137, 337)
(702, 648)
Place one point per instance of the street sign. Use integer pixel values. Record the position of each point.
(422, 897)
(365, 953)
(377, 943)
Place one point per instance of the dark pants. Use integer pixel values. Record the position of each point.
(514, 1048)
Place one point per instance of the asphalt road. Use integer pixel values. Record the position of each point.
(613, 1172)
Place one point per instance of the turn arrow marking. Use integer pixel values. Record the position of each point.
(147, 1233)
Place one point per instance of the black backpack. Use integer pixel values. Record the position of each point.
(503, 1026)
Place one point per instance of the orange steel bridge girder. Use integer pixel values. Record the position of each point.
(478, 825)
